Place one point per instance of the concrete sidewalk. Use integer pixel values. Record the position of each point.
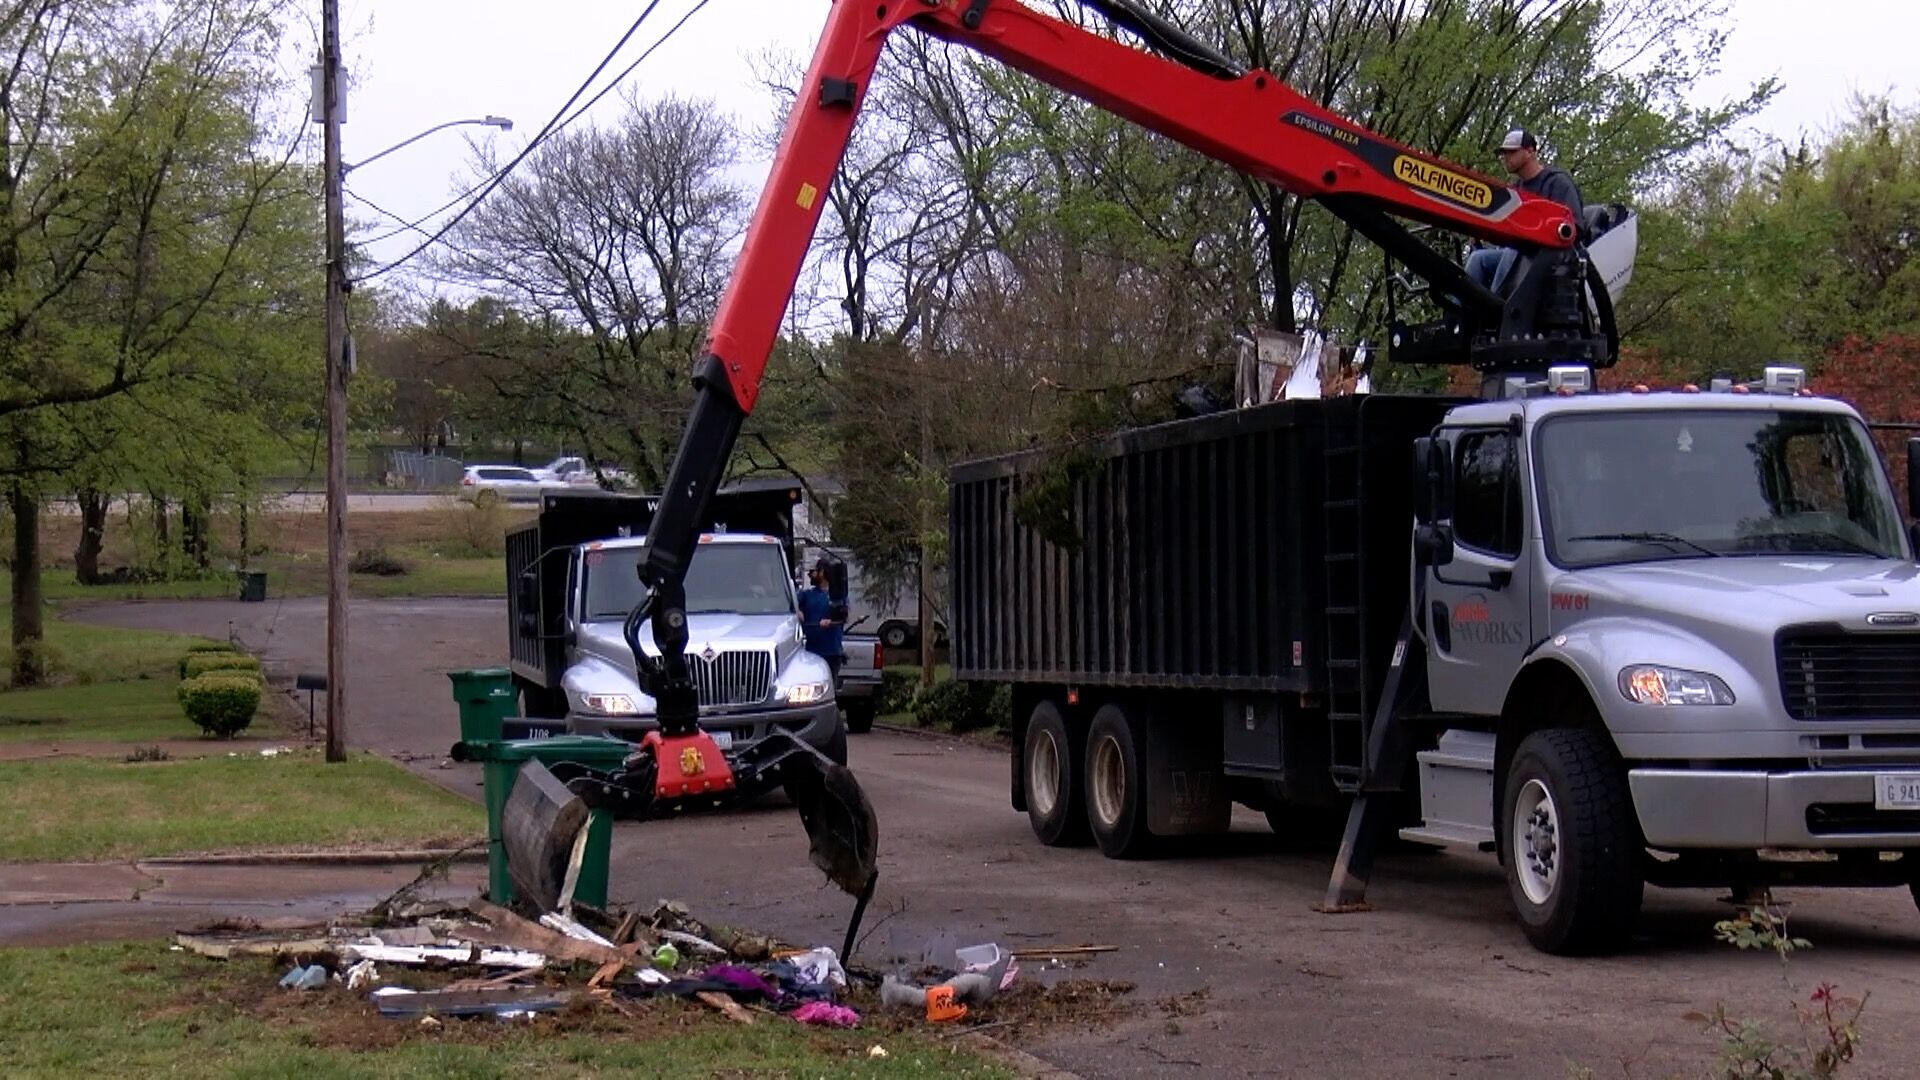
(65, 903)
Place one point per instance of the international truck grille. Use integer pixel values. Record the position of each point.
(1829, 674)
(736, 677)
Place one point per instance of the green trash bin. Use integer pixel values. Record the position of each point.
(501, 761)
(486, 697)
(253, 585)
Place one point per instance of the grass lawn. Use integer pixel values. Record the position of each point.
(137, 711)
(83, 654)
(102, 809)
(140, 1010)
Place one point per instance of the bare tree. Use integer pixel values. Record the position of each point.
(618, 240)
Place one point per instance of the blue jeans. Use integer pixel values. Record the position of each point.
(1489, 266)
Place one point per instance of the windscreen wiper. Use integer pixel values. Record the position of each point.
(1650, 538)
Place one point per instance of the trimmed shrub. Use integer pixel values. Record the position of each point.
(376, 561)
(219, 703)
(196, 664)
(198, 653)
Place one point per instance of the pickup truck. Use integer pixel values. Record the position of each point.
(574, 578)
(859, 683)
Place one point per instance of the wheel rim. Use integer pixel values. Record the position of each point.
(1536, 841)
(1043, 774)
(1107, 778)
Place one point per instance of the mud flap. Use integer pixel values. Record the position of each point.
(538, 827)
(1186, 791)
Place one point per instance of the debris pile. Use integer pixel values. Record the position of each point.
(432, 962)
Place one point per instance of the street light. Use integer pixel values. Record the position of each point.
(500, 122)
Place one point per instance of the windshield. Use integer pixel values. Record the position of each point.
(745, 579)
(1696, 485)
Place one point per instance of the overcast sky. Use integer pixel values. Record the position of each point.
(417, 63)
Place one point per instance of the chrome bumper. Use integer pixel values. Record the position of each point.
(1744, 809)
(814, 725)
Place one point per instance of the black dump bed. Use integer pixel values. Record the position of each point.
(1262, 549)
(537, 561)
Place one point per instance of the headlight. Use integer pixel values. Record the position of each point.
(610, 704)
(807, 693)
(1650, 684)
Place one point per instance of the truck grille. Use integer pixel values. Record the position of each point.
(736, 677)
(1829, 674)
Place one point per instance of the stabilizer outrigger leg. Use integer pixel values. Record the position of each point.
(1390, 748)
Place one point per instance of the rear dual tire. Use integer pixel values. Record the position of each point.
(1051, 763)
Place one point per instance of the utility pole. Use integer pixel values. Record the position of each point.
(336, 375)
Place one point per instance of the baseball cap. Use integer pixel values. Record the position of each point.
(1519, 139)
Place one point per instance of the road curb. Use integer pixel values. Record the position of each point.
(1019, 1060)
(943, 736)
(477, 853)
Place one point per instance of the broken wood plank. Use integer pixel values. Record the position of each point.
(226, 948)
(627, 928)
(512, 930)
(724, 1005)
(1037, 953)
(606, 974)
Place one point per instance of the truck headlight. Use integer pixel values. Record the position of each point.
(610, 704)
(1651, 684)
(807, 693)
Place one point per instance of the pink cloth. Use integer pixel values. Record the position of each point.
(827, 1013)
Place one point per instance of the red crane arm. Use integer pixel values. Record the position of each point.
(1254, 123)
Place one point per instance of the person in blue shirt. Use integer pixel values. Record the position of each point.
(821, 618)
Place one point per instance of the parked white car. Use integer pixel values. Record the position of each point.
(575, 472)
(506, 481)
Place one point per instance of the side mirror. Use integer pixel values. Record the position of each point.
(1432, 480)
(527, 603)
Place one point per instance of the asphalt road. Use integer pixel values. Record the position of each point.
(1235, 973)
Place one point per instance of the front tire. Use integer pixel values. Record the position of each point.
(859, 715)
(1573, 848)
(1116, 785)
(1050, 761)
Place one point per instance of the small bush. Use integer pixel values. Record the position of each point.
(484, 528)
(220, 704)
(193, 665)
(210, 646)
(897, 687)
(964, 706)
(376, 561)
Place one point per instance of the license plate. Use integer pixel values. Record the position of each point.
(1896, 791)
(723, 740)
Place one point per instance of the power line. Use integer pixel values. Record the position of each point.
(415, 225)
(552, 125)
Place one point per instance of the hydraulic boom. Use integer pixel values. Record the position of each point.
(1183, 90)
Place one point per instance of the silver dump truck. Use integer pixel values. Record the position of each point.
(573, 570)
(1614, 638)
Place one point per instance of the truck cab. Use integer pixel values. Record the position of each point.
(1682, 625)
(748, 655)
(573, 570)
